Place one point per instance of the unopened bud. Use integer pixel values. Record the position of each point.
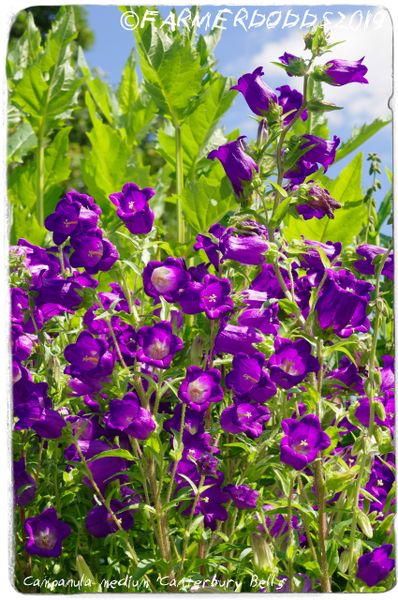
(262, 552)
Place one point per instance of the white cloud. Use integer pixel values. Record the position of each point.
(361, 102)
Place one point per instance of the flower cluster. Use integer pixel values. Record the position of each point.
(237, 388)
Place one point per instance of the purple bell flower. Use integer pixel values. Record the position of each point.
(34, 410)
(277, 524)
(292, 62)
(290, 101)
(343, 302)
(128, 416)
(366, 266)
(246, 249)
(245, 418)
(210, 504)
(242, 495)
(311, 260)
(303, 441)
(45, 534)
(349, 375)
(238, 165)
(24, 484)
(93, 252)
(100, 523)
(200, 388)
(74, 213)
(164, 278)
(107, 469)
(210, 247)
(258, 95)
(55, 296)
(189, 298)
(340, 72)
(291, 362)
(48, 425)
(133, 208)
(158, 344)
(193, 423)
(214, 297)
(379, 484)
(232, 339)
(89, 353)
(265, 320)
(40, 262)
(376, 565)
(207, 464)
(362, 412)
(267, 281)
(246, 372)
(319, 203)
(320, 153)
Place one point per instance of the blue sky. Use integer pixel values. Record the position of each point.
(366, 29)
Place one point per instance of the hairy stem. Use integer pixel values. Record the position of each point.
(179, 185)
(322, 526)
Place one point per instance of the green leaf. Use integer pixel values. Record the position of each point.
(22, 185)
(195, 524)
(56, 160)
(385, 209)
(101, 92)
(29, 93)
(24, 50)
(137, 108)
(280, 212)
(171, 70)
(48, 87)
(199, 132)
(22, 141)
(115, 453)
(109, 163)
(348, 219)
(360, 136)
(207, 200)
(128, 91)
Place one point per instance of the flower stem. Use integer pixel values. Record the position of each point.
(40, 175)
(290, 535)
(179, 185)
(322, 526)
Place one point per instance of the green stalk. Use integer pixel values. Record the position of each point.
(290, 568)
(173, 474)
(40, 176)
(322, 526)
(179, 185)
(282, 137)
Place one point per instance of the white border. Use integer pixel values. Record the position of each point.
(8, 10)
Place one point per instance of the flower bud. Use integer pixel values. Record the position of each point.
(262, 552)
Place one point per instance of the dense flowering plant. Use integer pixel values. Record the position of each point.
(216, 405)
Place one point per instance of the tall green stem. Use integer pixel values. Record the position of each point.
(40, 176)
(179, 185)
(322, 526)
(290, 568)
